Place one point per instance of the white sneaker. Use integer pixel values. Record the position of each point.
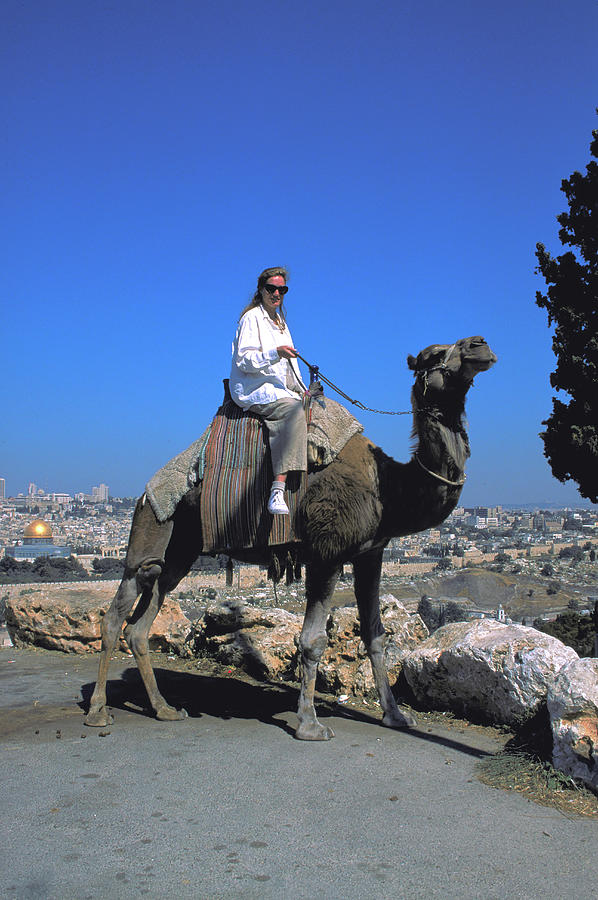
(276, 504)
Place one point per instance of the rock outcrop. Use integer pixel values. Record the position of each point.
(480, 670)
(264, 642)
(345, 666)
(69, 619)
(486, 670)
(573, 710)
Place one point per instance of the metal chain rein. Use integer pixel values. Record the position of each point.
(316, 375)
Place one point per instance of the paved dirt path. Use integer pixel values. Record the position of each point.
(227, 805)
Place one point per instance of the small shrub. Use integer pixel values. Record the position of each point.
(573, 630)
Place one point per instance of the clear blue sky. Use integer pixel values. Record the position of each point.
(402, 159)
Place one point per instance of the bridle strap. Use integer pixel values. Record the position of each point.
(441, 367)
(459, 483)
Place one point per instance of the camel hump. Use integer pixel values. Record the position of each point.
(330, 427)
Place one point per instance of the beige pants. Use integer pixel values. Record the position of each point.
(287, 433)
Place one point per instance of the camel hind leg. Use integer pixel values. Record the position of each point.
(124, 601)
(148, 543)
(137, 637)
(367, 570)
(182, 548)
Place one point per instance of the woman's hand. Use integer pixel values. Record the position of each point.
(286, 352)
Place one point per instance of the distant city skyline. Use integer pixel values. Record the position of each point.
(101, 493)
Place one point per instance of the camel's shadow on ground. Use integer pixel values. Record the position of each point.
(199, 695)
(234, 698)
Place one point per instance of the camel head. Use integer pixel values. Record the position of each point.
(442, 368)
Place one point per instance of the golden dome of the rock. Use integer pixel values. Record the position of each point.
(38, 529)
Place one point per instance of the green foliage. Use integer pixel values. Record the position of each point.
(571, 436)
(430, 613)
(10, 566)
(574, 553)
(108, 567)
(547, 570)
(573, 630)
(123, 504)
(55, 568)
(454, 613)
(436, 614)
(76, 512)
(502, 557)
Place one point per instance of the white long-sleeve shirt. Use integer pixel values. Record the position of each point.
(258, 374)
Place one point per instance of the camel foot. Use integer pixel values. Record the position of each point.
(98, 718)
(168, 713)
(313, 731)
(399, 719)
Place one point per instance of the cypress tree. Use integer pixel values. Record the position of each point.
(571, 300)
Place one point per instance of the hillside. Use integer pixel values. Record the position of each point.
(520, 595)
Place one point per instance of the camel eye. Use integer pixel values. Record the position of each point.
(435, 359)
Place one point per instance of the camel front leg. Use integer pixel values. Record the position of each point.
(319, 586)
(367, 570)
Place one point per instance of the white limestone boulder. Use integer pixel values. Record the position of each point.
(486, 669)
(573, 709)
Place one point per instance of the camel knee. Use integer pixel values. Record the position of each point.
(148, 571)
(312, 648)
(110, 626)
(137, 641)
(376, 645)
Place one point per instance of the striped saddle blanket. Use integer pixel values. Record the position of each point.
(237, 475)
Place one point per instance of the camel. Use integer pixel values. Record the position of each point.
(350, 511)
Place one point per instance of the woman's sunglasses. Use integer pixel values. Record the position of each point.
(272, 288)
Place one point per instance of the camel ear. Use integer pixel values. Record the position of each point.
(412, 362)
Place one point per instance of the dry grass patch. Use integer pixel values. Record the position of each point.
(539, 781)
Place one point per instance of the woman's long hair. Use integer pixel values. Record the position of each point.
(262, 279)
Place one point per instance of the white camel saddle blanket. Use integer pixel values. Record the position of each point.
(240, 445)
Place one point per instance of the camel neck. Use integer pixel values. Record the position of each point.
(414, 498)
(442, 446)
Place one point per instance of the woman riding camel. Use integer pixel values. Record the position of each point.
(265, 380)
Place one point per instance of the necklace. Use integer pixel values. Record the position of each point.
(278, 323)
